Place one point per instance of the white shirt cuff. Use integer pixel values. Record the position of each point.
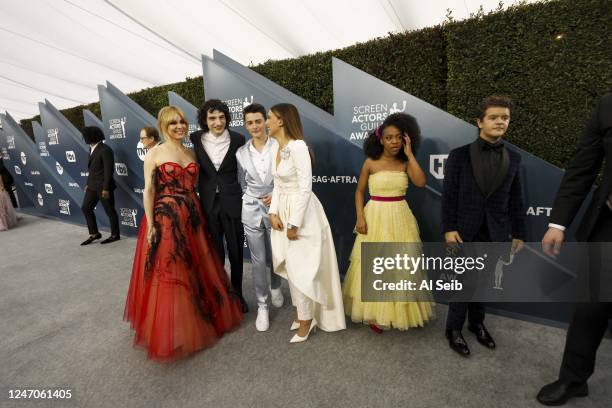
(557, 226)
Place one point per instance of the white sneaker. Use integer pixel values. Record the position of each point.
(262, 323)
(277, 298)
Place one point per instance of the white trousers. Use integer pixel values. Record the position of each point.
(303, 303)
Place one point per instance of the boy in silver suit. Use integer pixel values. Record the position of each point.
(255, 163)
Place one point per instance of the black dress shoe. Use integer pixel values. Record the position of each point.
(91, 239)
(111, 239)
(559, 392)
(243, 304)
(482, 335)
(457, 342)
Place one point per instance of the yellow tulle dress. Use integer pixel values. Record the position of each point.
(387, 221)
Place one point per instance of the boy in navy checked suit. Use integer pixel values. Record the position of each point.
(482, 201)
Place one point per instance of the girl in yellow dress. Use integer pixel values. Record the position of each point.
(386, 218)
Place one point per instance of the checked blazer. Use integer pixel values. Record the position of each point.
(466, 204)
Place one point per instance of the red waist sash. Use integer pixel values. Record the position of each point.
(379, 198)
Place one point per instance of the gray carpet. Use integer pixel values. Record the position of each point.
(61, 307)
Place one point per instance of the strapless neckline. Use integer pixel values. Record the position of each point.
(178, 164)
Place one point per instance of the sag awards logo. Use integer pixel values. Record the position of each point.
(499, 271)
(121, 169)
(5, 154)
(53, 136)
(73, 184)
(24, 158)
(48, 188)
(128, 217)
(17, 170)
(236, 107)
(117, 128)
(141, 151)
(369, 117)
(70, 156)
(34, 172)
(436, 165)
(28, 184)
(64, 206)
(10, 141)
(193, 127)
(42, 149)
(59, 168)
(84, 174)
(40, 200)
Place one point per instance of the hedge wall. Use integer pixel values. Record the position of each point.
(413, 61)
(554, 58)
(151, 99)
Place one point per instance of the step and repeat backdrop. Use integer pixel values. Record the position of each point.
(51, 172)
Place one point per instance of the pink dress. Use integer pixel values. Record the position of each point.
(8, 216)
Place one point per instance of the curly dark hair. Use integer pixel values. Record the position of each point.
(210, 106)
(405, 123)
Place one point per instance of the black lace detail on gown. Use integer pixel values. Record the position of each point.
(171, 206)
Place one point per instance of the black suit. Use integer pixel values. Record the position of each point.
(8, 181)
(221, 198)
(481, 211)
(590, 319)
(101, 167)
(466, 205)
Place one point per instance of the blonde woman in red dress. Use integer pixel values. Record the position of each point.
(180, 299)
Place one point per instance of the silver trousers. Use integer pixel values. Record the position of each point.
(258, 239)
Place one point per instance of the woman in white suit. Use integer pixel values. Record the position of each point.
(302, 246)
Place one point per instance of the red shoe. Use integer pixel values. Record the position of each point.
(376, 329)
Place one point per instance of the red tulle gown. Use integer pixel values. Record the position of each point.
(180, 299)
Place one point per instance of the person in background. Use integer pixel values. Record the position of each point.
(149, 137)
(8, 216)
(9, 182)
(590, 319)
(100, 185)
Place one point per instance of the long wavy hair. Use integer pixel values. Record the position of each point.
(292, 123)
(290, 116)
